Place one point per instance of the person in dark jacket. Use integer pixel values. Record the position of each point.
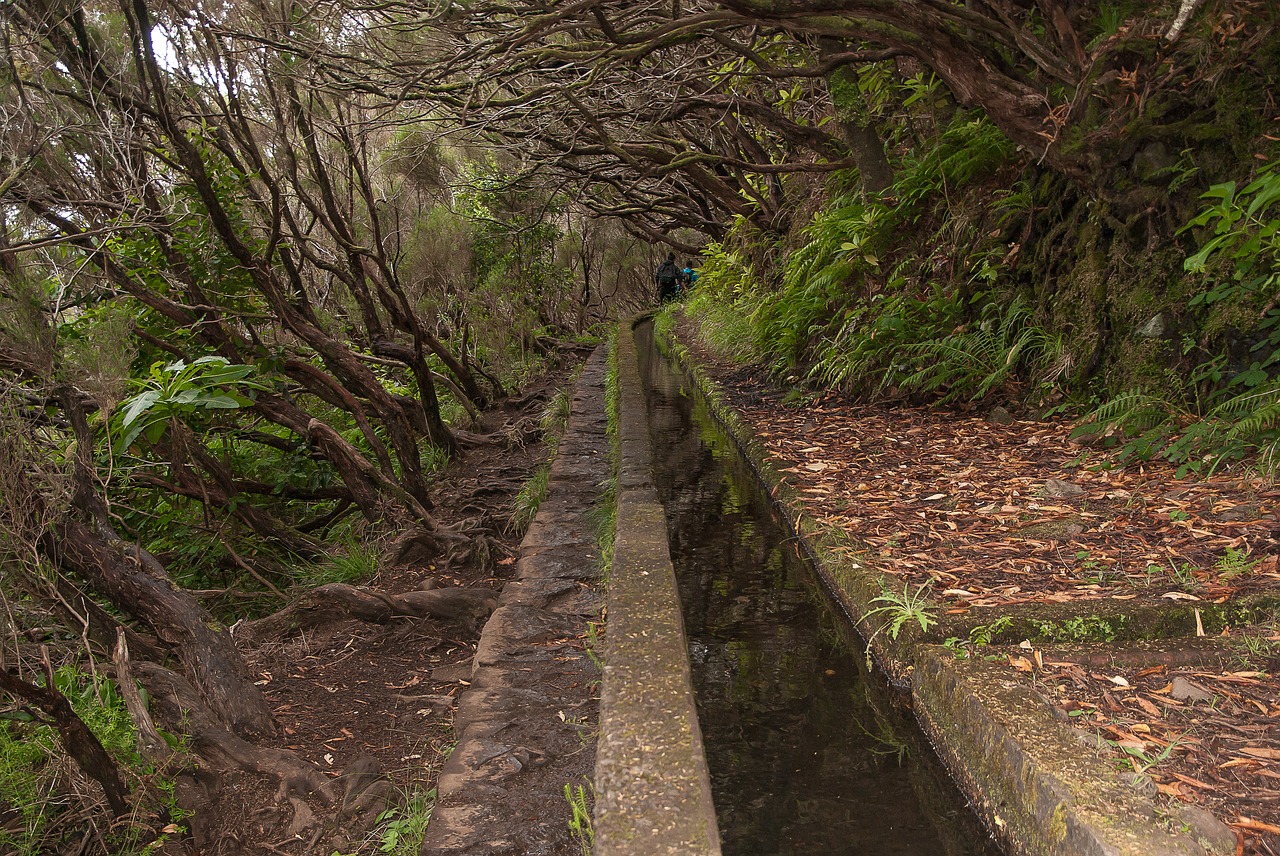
(667, 278)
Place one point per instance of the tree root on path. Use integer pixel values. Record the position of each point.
(460, 544)
(344, 808)
(463, 606)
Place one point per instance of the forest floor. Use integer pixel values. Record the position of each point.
(349, 690)
(992, 515)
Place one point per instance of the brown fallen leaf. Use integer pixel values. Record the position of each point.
(1148, 707)
(1238, 762)
(1261, 752)
(1195, 783)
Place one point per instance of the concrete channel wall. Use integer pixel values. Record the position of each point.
(653, 791)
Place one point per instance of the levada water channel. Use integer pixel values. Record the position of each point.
(809, 753)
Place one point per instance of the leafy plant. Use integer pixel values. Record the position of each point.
(555, 414)
(979, 637)
(356, 562)
(1081, 628)
(1228, 407)
(581, 826)
(1234, 562)
(969, 148)
(866, 352)
(981, 358)
(898, 610)
(843, 240)
(1255, 649)
(591, 644)
(1141, 760)
(1243, 233)
(725, 326)
(401, 830)
(180, 390)
(1185, 576)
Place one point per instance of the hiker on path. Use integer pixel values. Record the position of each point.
(667, 278)
(688, 276)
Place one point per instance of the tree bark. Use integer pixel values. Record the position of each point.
(136, 583)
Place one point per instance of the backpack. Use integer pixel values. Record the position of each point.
(668, 273)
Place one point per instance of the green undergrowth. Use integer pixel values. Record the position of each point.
(49, 801)
(581, 798)
(353, 561)
(977, 279)
(553, 420)
(604, 515)
(399, 831)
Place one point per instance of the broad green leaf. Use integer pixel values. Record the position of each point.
(220, 402)
(137, 405)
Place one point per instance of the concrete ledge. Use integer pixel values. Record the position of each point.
(1039, 788)
(653, 791)
(523, 724)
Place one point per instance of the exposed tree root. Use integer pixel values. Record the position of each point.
(465, 606)
(344, 808)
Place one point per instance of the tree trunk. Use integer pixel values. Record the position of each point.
(135, 582)
(868, 150)
(856, 122)
(437, 432)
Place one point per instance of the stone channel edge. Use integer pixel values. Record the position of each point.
(523, 721)
(653, 789)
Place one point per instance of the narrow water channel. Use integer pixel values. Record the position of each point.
(808, 753)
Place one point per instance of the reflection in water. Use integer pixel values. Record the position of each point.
(808, 755)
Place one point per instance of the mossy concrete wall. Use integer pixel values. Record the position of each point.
(1038, 787)
(653, 791)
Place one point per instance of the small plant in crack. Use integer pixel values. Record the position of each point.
(581, 827)
(898, 610)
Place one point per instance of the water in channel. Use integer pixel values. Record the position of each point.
(808, 753)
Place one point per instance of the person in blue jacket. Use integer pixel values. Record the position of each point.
(689, 275)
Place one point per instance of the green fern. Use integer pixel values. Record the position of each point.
(982, 358)
(967, 150)
(1158, 426)
(1254, 414)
